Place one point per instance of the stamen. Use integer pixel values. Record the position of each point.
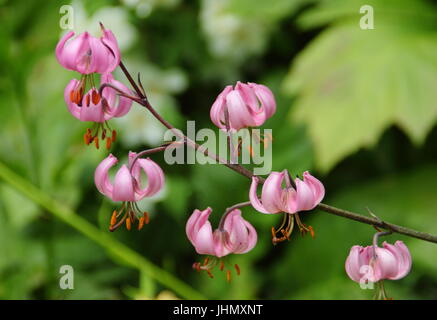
(128, 224)
(113, 218)
(228, 275)
(95, 97)
(146, 217)
(114, 135)
(141, 223)
(103, 134)
(87, 100)
(86, 138)
(237, 268)
(222, 265)
(96, 142)
(72, 96)
(209, 274)
(108, 143)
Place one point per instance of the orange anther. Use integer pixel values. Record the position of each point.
(108, 143)
(237, 268)
(146, 217)
(128, 223)
(205, 262)
(103, 134)
(72, 96)
(114, 135)
(113, 218)
(209, 273)
(141, 223)
(222, 265)
(95, 97)
(86, 138)
(87, 100)
(228, 275)
(96, 142)
(311, 231)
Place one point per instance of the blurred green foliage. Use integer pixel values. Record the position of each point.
(357, 107)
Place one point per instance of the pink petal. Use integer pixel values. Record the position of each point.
(271, 195)
(123, 185)
(403, 257)
(239, 115)
(304, 196)
(353, 264)
(101, 179)
(315, 185)
(155, 179)
(73, 108)
(110, 41)
(253, 197)
(265, 96)
(217, 109)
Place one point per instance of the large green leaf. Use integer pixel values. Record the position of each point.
(352, 84)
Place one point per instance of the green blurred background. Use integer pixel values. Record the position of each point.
(356, 107)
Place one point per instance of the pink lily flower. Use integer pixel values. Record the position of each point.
(127, 186)
(87, 54)
(234, 235)
(373, 263)
(91, 107)
(305, 195)
(95, 108)
(248, 105)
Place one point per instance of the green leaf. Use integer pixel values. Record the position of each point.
(352, 84)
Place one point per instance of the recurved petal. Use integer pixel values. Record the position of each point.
(101, 178)
(304, 196)
(108, 39)
(316, 186)
(353, 264)
(60, 50)
(271, 195)
(155, 179)
(402, 256)
(253, 197)
(73, 108)
(217, 109)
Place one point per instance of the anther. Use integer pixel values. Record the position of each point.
(87, 100)
(86, 138)
(128, 223)
(114, 135)
(205, 262)
(228, 275)
(237, 268)
(209, 273)
(222, 265)
(146, 217)
(96, 142)
(141, 223)
(113, 218)
(103, 134)
(108, 143)
(95, 97)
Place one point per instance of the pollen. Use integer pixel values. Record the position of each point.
(114, 135)
(108, 143)
(96, 142)
(128, 224)
(237, 268)
(141, 223)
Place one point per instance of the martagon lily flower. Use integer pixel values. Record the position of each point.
(98, 109)
(295, 196)
(247, 105)
(372, 264)
(87, 54)
(391, 262)
(127, 187)
(234, 235)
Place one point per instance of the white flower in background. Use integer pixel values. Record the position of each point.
(230, 35)
(139, 127)
(143, 8)
(114, 18)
